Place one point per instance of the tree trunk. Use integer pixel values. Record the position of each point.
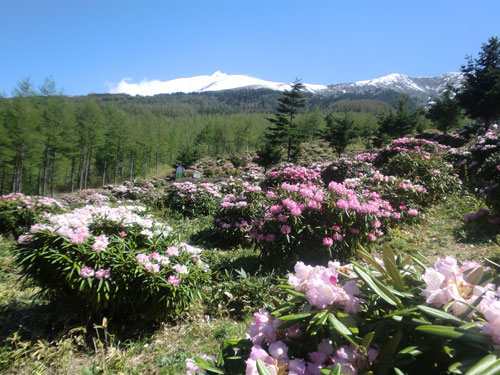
(39, 179)
(131, 165)
(105, 164)
(71, 173)
(117, 162)
(53, 177)
(87, 169)
(45, 169)
(2, 183)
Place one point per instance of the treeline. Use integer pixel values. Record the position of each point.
(50, 142)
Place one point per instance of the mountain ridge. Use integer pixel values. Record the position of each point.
(420, 89)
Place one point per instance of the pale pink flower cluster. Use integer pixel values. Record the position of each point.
(100, 243)
(322, 288)
(26, 202)
(154, 262)
(365, 202)
(192, 190)
(448, 282)
(276, 359)
(75, 225)
(88, 272)
(491, 310)
(299, 174)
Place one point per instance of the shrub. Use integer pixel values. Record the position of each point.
(292, 174)
(19, 212)
(393, 316)
(86, 197)
(112, 262)
(236, 212)
(408, 145)
(429, 170)
(343, 168)
(192, 199)
(310, 223)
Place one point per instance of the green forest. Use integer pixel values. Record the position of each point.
(52, 143)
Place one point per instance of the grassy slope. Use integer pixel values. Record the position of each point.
(37, 338)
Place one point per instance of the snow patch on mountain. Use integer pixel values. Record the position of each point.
(216, 82)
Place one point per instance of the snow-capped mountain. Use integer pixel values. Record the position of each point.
(216, 82)
(420, 89)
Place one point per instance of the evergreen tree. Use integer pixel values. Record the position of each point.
(396, 123)
(268, 155)
(480, 91)
(445, 112)
(340, 131)
(284, 131)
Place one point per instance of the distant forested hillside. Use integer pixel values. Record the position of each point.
(51, 142)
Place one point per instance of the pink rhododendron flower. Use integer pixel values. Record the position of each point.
(172, 251)
(263, 329)
(322, 289)
(446, 282)
(174, 280)
(102, 274)
(100, 243)
(87, 272)
(327, 241)
(181, 269)
(412, 212)
(285, 229)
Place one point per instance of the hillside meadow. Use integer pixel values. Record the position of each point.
(374, 263)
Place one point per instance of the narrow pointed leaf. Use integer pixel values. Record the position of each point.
(341, 328)
(262, 368)
(454, 333)
(435, 313)
(385, 295)
(392, 270)
(483, 365)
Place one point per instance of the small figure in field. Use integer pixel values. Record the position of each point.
(179, 171)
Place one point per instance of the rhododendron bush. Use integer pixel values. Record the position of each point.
(309, 222)
(18, 212)
(480, 164)
(192, 199)
(393, 316)
(242, 203)
(112, 261)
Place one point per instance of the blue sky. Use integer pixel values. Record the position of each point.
(85, 45)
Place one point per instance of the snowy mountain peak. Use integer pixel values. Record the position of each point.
(420, 89)
(216, 82)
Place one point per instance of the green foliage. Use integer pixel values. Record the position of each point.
(393, 328)
(18, 212)
(284, 131)
(445, 112)
(129, 280)
(238, 293)
(480, 91)
(339, 132)
(396, 123)
(268, 155)
(188, 156)
(430, 171)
